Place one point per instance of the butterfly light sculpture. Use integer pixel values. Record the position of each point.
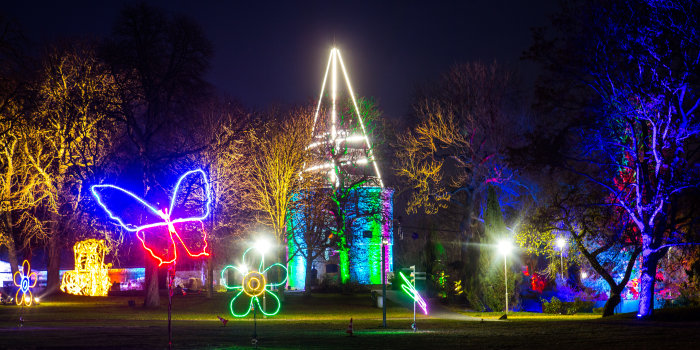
(160, 230)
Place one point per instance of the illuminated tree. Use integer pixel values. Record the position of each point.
(223, 124)
(16, 183)
(350, 174)
(70, 135)
(626, 73)
(158, 62)
(607, 244)
(456, 148)
(277, 154)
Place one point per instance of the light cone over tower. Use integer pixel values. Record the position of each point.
(340, 143)
(342, 151)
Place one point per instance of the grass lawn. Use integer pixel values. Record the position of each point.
(320, 321)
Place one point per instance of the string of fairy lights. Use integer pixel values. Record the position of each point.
(335, 137)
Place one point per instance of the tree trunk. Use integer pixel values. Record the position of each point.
(647, 281)
(344, 266)
(152, 299)
(309, 267)
(53, 278)
(613, 300)
(12, 255)
(210, 278)
(11, 245)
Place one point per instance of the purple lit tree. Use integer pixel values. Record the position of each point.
(627, 73)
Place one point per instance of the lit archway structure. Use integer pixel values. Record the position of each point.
(91, 275)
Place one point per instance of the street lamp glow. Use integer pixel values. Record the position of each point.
(505, 247)
(561, 243)
(263, 245)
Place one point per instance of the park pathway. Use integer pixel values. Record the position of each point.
(435, 310)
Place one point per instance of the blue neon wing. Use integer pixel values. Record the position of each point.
(191, 197)
(127, 209)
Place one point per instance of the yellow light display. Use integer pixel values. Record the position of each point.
(90, 275)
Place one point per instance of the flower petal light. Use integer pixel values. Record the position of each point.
(254, 285)
(25, 281)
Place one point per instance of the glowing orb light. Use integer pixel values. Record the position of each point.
(150, 224)
(561, 243)
(504, 247)
(90, 276)
(410, 289)
(255, 285)
(25, 281)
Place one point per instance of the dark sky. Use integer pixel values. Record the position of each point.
(268, 52)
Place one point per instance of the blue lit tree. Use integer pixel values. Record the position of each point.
(606, 243)
(626, 74)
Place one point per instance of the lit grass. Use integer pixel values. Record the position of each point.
(319, 322)
(531, 316)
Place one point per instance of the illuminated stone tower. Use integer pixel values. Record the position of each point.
(342, 150)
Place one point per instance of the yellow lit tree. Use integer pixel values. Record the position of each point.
(71, 134)
(455, 151)
(223, 125)
(277, 154)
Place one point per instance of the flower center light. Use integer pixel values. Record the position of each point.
(254, 283)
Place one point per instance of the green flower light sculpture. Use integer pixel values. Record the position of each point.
(255, 285)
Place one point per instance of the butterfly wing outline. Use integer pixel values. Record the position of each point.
(134, 214)
(189, 206)
(129, 210)
(191, 198)
(159, 230)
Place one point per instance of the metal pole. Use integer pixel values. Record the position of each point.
(384, 284)
(264, 299)
(561, 254)
(255, 323)
(415, 327)
(505, 278)
(171, 272)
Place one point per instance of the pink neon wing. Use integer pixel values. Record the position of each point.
(159, 243)
(192, 238)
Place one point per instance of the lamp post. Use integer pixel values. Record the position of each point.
(384, 244)
(561, 243)
(505, 247)
(263, 245)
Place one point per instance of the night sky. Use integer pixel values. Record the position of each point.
(267, 52)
